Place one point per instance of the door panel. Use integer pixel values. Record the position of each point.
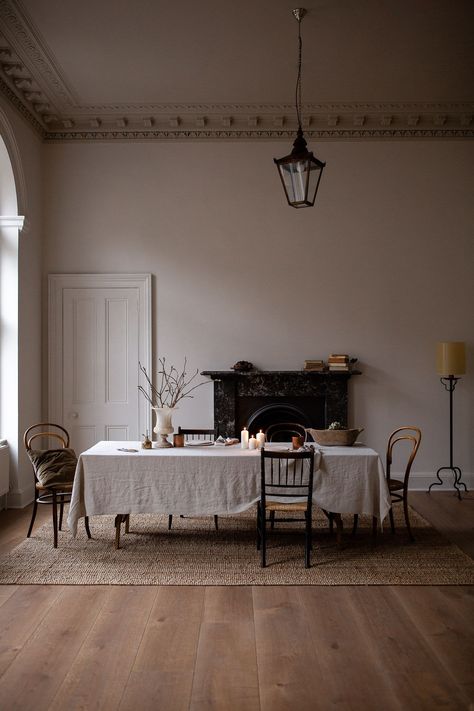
(100, 364)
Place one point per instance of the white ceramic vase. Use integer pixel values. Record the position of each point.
(164, 425)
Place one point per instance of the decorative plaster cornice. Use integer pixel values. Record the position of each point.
(32, 81)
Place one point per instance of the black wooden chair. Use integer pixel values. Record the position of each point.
(285, 475)
(195, 435)
(398, 488)
(284, 431)
(53, 471)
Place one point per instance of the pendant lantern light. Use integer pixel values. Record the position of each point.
(301, 171)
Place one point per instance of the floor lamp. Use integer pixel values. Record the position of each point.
(450, 361)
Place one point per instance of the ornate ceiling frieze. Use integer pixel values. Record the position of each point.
(34, 84)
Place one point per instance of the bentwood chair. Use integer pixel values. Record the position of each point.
(285, 475)
(284, 431)
(195, 435)
(53, 471)
(399, 487)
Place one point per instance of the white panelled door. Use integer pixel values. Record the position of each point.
(98, 342)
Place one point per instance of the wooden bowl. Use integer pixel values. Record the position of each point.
(335, 438)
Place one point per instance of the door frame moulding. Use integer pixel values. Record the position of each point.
(57, 283)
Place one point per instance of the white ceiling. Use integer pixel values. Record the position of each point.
(104, 65)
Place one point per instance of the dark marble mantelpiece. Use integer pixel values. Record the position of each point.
(316, 398)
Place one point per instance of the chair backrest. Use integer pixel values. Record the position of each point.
(284, 431)
(287, 474)
(403, 434)
(196, 433)
(43, 429)
(52, 465)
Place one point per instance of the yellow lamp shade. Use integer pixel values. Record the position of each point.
(451, 358)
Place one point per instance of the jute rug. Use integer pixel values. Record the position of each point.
(193, 553)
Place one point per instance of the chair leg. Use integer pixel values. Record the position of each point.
(354, 525)
(263, 536)
(308, 541)
(407, 520)
(55, 519)
(216, 525)
(259, 536)
(127, 523)
(170, 521)
(118, 523)
(86, 526)
(33, 516)
(61, 511)
(392, 522)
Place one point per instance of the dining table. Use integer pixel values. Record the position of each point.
(122, 478)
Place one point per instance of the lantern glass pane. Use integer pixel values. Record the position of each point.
(294, 175)
(314, 176)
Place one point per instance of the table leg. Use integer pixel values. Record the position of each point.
(119, 519)
(339, 528)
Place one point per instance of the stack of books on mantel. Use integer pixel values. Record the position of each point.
(339, 362)
(314, 365)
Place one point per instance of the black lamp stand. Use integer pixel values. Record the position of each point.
(450, 384)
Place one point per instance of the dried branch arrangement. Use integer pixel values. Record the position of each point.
(171, 385)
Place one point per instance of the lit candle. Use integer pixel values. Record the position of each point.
(260, 439)
(244, 439)
(253, 442)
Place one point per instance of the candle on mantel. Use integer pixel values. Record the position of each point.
(244, 439)
(260, 436)
(253, 442)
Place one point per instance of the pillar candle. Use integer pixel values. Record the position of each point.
(244, 439)
(260, 439)
(253, 442)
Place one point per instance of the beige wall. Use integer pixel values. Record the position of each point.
(26, 152)
(381, 268)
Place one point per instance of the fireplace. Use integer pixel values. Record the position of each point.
(260, 398)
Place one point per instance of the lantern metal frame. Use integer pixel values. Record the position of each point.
(300, 163)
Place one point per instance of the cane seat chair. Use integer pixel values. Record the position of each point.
(53, 471)
(399, 487)
(285, 475)
(195, 435)
(284, 431)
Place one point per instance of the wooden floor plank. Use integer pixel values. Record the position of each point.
(444, 616)
(454, 518)
(6, 591)
(32, 679)
(413, 670)
(225, 675)
(162, 674)
(20, 615)
(347, 656)
(99, 673)
(289, 672)
(14, 525)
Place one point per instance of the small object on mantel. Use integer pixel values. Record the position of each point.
(340, 362)
(242, 366)
(314, 365)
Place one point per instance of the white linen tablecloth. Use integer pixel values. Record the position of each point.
(214, 480)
